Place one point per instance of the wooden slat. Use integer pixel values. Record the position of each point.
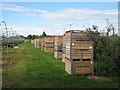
(63, 58)
(68, 66)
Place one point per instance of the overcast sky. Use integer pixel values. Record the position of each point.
(54, 17)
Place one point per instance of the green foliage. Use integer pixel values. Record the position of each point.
(105, 53)
(32, 36)
(36, 36)
(22, 36)
(43, 35)
(29, 36)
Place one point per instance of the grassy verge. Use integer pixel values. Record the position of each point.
(37, 69)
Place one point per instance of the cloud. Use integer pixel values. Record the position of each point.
(62, 18)
(12, 7)
(38, 10)
(26, 30)
(77, 16)
(28, 14)
(80, 17)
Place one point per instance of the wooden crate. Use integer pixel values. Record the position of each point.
(48, 49)
(33, 41)
(63, 57)
(27, 41)
(57, 54)
(82, 67)
(42, 44)
(58, 46)
(78, 53)
(37, 43)
(49, 44)
(63, 49)
(68, 66)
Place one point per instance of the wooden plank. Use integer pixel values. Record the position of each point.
(68, 66)
(55, 54)
(63, 58)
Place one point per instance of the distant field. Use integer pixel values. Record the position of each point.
(33, 68)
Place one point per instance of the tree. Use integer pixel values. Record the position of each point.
(106, 51)
(29, 36)
(110, 28)
(95, 27)
(21, 36)
(35, 36)
(43, 35)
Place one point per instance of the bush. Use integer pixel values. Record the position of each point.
(106, 49)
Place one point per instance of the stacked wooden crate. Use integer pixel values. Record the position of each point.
(49, 44)
(42, 44)
(58, 46)
(37, 43)
(32, 41)
(27, 40)
(79, 53)
(63, 49)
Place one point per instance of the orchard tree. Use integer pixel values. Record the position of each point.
(43, 35)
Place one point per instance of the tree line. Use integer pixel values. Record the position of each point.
(32, 37)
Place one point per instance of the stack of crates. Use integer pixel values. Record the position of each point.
(63, 49)
(79, 53)
(32, 41)
(37, 43)
(58, 46)
(27, 41)
(48, 44)
(42, 44)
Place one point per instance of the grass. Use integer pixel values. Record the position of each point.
(8, 52)
(37, 69)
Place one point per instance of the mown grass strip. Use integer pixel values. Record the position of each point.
(37, 69)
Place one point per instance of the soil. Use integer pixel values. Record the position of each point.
(99, 78)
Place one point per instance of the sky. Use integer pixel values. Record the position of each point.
(56, 17)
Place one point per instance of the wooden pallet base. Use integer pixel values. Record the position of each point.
(48, 49)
